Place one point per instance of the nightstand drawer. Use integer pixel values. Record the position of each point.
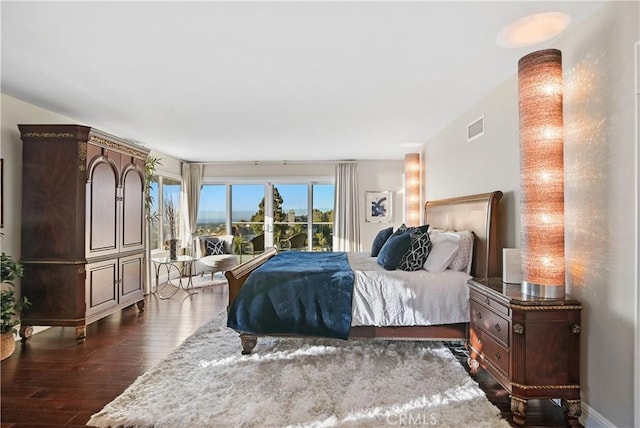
(485, 347)
(490, 322)
(493, 304)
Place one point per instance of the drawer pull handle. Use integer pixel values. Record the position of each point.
(479, 315)
(486, 300)
(497, 327)
(479, 341)
(497, 355)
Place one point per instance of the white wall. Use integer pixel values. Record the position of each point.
(378, 175)
(455, 167)
(598, 61)
(271, 170)
(599, 191)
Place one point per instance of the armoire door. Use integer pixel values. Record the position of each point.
(102, 208)
(131, 277)
(132, 232)
(101, 286)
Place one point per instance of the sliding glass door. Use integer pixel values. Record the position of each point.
(291, 216)
(248, 211)
(322, 221)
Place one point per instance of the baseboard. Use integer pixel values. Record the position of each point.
(592, 419)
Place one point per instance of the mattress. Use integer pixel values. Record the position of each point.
(400, 298)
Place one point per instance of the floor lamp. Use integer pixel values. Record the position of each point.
(541, 173)
(412, 189)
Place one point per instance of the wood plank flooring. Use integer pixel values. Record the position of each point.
(53, 382)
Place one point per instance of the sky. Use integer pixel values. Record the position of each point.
(246, 197)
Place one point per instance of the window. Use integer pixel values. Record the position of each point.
(247, 210)
(212, 210)
(279, 211)
(155, 237)
(323, 200)
(170, 198)
(290, 215)
(165, 189)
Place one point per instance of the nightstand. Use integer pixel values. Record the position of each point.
(530, 345)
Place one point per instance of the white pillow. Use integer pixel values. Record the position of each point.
(444, 248)
(464, 257)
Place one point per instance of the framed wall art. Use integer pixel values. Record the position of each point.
(378, 206)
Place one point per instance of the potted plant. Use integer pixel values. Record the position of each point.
(10, 270)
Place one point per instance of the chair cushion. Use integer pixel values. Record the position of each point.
(218, 262)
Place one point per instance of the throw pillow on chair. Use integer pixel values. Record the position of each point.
(214, 247)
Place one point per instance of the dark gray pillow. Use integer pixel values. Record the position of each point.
(379, 241)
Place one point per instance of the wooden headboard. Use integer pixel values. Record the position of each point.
(479, 214)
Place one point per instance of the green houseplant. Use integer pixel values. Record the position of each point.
(10, 305)
(150, 165)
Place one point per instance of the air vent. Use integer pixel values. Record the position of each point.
(475, 129)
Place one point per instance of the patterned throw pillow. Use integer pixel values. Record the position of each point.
(418, 252)
(423, 229)
(214, 247)
(464, 257)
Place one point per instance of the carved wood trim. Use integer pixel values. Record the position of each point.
(519, 385)
(48, 135)
(546, 308)
(118, 146)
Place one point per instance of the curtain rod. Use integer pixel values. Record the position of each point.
(285, 162)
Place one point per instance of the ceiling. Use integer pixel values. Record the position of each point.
(246, 81)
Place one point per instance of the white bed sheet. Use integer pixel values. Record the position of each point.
(399, 298)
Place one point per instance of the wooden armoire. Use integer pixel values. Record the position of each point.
(82, 226)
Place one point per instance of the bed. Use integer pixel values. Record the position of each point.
(476, 213)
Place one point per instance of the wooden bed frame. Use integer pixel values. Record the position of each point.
(477, 213)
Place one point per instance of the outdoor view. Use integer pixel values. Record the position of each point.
(290, 208)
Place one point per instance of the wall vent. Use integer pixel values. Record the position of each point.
(475, 129)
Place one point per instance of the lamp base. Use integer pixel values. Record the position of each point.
(546, 291)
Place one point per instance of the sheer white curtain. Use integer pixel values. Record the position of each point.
(346, 228)
(191, 185)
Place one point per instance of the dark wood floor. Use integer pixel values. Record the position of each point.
(54, 382)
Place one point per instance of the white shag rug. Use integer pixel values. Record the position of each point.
(206, 280)
(206, 382)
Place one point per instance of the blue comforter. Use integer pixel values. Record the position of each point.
(303, 293)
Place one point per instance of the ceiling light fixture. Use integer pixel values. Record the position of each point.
(533, 29)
